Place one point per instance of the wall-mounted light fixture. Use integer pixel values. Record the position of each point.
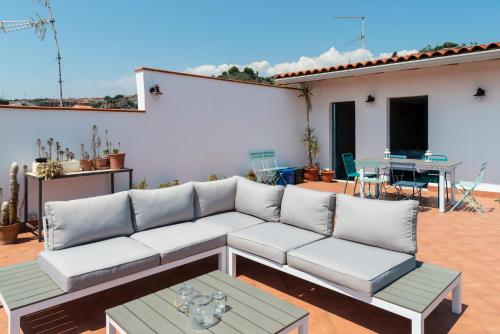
(155, 90)
(370, 99)
(480, 92)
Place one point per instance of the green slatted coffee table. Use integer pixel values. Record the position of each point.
(251, 311)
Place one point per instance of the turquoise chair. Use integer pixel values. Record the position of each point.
(468, 190)
(397, 156)
(378, 180)
(398, 183)
(350, 170)
(433, 177)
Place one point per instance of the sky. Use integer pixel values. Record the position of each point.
(102, 42)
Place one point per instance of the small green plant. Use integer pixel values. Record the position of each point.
(169, 184)
(141, 185)
(251, 175)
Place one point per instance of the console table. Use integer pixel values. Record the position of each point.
(37, 230)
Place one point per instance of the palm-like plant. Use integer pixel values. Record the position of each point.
(309, 139)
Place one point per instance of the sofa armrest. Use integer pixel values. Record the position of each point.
(45, 232)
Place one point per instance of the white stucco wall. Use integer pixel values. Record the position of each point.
(197, 127)
(461, 126)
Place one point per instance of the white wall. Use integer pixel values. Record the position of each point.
(197, 127)
(460, 126)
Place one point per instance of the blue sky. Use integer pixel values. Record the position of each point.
(104, 41)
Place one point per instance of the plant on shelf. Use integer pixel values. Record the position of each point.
(10, 226)
(213, 177)
(86, 163)
(117, 158)
(309, 139)
(141, 185)
(41, 152)
(169, 184)
(50, 169)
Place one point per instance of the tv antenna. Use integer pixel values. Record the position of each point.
(39, 24)
(362, 35)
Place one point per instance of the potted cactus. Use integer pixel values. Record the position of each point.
(9, 225)
(117, 158)
(102, 161)
(86, 163)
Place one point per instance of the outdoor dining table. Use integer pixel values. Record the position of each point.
(442, 167)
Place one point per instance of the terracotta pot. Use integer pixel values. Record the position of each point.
(327, 175)
(102, 163)
(311, 174)
(117, 160)
(8, 234)
(86, 165)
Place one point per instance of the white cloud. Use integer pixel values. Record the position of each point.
(125, 84)
(331, 57)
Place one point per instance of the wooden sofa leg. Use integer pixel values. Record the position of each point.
(231, 264)
(14, 323)
(417, 325)
(222, 258)
(456, 298)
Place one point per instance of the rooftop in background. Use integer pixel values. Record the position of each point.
(395, 59)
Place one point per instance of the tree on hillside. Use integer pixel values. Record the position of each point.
(248, 74)
(445, 45)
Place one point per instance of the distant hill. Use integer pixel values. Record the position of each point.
(108, 102)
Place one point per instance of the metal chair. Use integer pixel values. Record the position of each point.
(257, 162)
(398, 156)
(399, 183)
(468, 190)
(433, 177)
(378, 179)
(350, 171)
(265, 167)
(274, 171)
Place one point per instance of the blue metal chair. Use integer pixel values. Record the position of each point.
(350, 170)
(398, 183)
(468, 190)
(433, 177)
(397, 156)
(378, 180)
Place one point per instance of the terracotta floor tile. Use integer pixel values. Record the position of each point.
(462, 240)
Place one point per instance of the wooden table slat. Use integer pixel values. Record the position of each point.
(152, 317)
(259, 294)
(17, 266)
(263, 321)
(243, 296)
(132, 323)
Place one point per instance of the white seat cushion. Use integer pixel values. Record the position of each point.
(229, 221)
(271, 240)
(178, 241)
(359, 267)
(80, 267)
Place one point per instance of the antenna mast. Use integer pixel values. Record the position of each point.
(362, 36)
(39, 25)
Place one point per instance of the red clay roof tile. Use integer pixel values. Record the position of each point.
(396, 59)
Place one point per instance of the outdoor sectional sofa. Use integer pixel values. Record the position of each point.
(97, 243)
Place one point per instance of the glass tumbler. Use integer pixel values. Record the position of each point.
(219, 300)
(184, 295)
(201, 312)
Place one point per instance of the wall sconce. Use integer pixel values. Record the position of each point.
(370, 99)
(155, 90)
(480, 92)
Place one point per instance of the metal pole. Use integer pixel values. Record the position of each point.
(52, 24)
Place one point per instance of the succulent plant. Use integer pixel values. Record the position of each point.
(50, 143)
(213, 177)
(39, 145)
(13, 192)
(4, 214)
(49, 169)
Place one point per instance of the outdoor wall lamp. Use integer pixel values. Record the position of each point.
(155, 90)
(480, 92)
(370, 99)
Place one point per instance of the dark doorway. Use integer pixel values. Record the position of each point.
(409, 126)
(343, 134)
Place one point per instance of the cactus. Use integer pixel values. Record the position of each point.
(13, 193)
(4, 214)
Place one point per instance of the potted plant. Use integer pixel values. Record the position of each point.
(9, 225)
(117, 158)
(86, 163)
(310, 140)
(327, 175)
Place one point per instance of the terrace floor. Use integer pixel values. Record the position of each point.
(462, 240)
